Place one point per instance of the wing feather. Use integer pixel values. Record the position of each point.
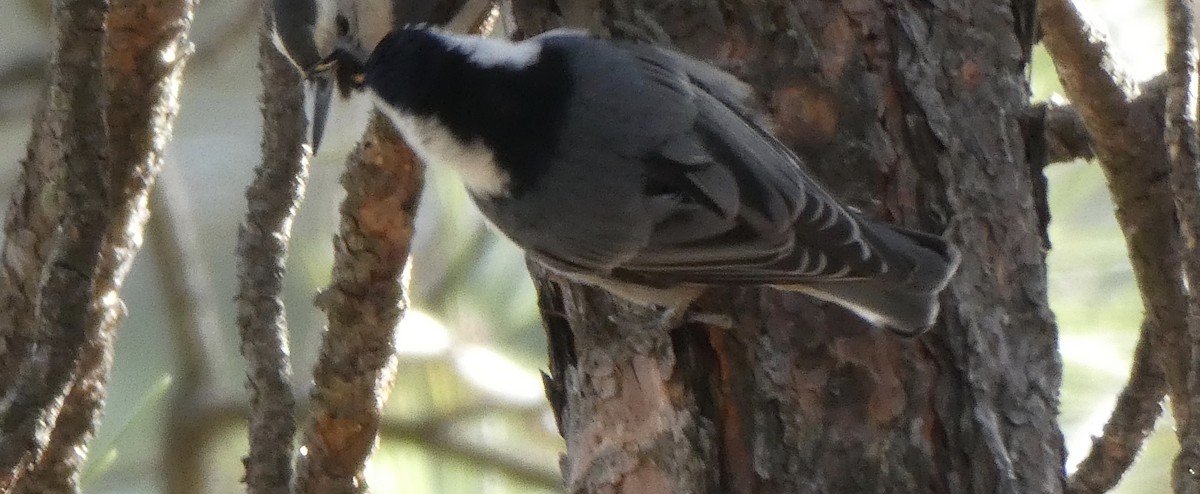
(733, 204)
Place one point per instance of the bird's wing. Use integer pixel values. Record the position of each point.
(731, 204)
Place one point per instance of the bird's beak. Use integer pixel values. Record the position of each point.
(342, 69)
(322, 85)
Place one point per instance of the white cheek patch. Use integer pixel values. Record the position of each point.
(437, 146)
(489, 52)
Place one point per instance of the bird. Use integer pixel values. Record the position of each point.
(639, 170)
(305, 31)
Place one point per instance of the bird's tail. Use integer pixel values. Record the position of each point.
(905, 300)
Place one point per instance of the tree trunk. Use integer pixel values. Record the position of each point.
(912, 111)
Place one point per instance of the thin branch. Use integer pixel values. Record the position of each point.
(58, 469)
(1128, 140)
(29, 233)
(428, 434)
(68, 307)
(1066, 136)
(262, 254)
(1138, 408)
(1094, 81)
(1140, 402)
(364, 303)
(1183, 145)
(143, 103)
(195, 326)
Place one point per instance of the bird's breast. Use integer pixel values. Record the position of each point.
(436, 145)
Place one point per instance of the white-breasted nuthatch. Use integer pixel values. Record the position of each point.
(640, 170)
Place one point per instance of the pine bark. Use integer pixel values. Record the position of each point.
(914, 112)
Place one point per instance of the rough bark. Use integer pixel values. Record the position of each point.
(262, 247)
(1137, 180)
(28, 235)
(364, 303)
(63, 307)
(912, 111)
(1182, 141)
(144, 58)
(1127, 134)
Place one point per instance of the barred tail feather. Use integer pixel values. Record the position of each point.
(905, 301)
(906, 312)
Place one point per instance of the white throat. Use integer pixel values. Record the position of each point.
(437, 146)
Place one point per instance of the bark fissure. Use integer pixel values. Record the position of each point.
(364, 303)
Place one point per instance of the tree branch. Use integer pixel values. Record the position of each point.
(143, 85)
(364, 303)
(1183, 146)
(262, 256)
(195, 327)
(1128, 140)
(426, 433)
(213, 49)
(1140, 402)
(1138, 408)
(29, 233)
(1094, 81)
(366, 298)
(1066, 136)
(430, 435)
(67, 305)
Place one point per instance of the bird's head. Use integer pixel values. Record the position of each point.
(329, 41)
(342, 46)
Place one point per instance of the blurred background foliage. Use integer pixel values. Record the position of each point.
(467, 414)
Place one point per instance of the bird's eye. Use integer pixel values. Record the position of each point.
(343, 25)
